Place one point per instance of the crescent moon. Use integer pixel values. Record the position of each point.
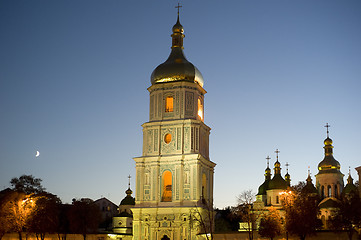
(37, 154)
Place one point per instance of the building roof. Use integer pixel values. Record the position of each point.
(177, 67)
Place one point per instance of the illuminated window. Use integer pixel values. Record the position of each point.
(167, 138)
(169, 104)
(167, 186)
(200, 109)
(329, 191)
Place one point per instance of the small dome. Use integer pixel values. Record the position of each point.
(178, 28)
(128, 200)
(328, 141)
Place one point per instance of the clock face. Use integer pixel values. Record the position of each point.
(120, 223)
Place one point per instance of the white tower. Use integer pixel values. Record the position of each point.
(174, 176)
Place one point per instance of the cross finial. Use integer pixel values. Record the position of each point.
(277, 152)
(327, 126)
(179, 6)
(268, 158)
(287, 164)
(129, 177)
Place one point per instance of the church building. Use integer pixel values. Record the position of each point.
(174, 175)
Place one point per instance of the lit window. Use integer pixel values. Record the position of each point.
(167, 138)
(167, 187)
(169, 104)
(329, 191)
(200, 109)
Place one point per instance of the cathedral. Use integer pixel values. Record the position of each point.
(329, 185)
(174, 175)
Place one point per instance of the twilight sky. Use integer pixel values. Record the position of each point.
(74, 78)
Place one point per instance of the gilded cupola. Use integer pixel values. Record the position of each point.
(329, 164)
(177, 67)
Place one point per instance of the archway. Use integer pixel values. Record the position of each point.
(165, 237)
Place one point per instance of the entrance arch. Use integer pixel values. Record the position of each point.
(165, 237)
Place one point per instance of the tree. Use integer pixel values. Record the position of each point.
(84, 217)
(202, 218)
(270, 224)
(16, 209)
(301, 213)
(244, 209)
(348, 214)
(27, 184)
(45, 215)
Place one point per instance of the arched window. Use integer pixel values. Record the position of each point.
(336, 191)
(169, 104)
(329, 191)
(322, 191)
(167, 186)
(204, 186)
(200, 109)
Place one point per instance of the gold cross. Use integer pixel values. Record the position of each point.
(268, 158)
(327, 126)
(277, 152)
(179, 6)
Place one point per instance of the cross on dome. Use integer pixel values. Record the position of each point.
(179, 6)
(327, 126)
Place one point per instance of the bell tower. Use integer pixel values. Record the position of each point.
(174, 175)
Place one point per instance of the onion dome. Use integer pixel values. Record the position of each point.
(277, 181)
(262, 190)
(350, 187)
(329, 164)
(128, 200)
(309, 188)
(177, 67)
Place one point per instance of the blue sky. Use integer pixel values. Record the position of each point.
(74, 78)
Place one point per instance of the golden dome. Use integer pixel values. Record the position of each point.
(177, 67)
(328, 141)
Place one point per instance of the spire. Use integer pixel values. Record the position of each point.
(129, 191)
(309, 179)
(349, 179)
(268, 170)
(277, 165)
(329, 164)
(328, 142)
(287, 176)
(327, 126)
(177, 36)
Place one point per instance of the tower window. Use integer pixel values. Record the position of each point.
(336, 191)
(167, 138)
(322, 192)
(204, 186)
(329, 189)
(167, 187)
(200, 109)
(169, 104)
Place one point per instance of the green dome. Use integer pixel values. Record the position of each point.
(350, 187)
(277, 182)
(128, 200)
(262, 190)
